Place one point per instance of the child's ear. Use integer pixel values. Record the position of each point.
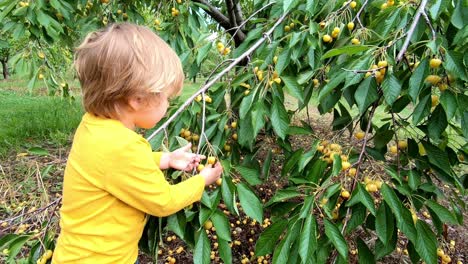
(135, 103)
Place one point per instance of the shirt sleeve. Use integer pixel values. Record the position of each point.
(157, 157)
(134, 178)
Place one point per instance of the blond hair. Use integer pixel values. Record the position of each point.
(121, 61)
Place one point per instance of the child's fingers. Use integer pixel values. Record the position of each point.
(200, 157)
(186, 148)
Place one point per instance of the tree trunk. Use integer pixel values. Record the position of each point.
(5, 68)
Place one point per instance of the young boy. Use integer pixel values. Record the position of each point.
(113, 178)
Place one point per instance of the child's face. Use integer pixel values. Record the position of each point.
(150, 113)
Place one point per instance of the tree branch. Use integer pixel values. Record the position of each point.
(240, 26)
(230, 10)
(223, 21)
(411, 30)
(238, 14)
(205, 87)
(215, 14)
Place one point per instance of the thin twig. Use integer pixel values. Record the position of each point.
(398, 147)
(361, 154)
(428, 22)
(202, 133)
(212, 82)
(50, 217)
(35, 211)
(239, 27)
(411, 30)
(359, 14)
(364, 71)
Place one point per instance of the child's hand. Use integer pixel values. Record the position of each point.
(182, 159)
(211, 174)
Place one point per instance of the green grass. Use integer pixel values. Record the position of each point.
(28, 120)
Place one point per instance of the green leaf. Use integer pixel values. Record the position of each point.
(307, 157)
(364, 253)
(348, 50)
(176, 223)
(417, 79)
(337, 239)
(423, 109)
(367, 200)
(464, 123)
(283, 251)
(7, 10)
(282, 195)
(382, 137)
(250, 203)
(357, 217)
(437, 157)
(449, 103)
(389, 23)
(289, 5)
(266, 165)
(454, 63)
(15, 247)
(406, 224)
(203, 52)
(245, 134)
(384, 223)
(311, 6)
(392, 200)
(296, 37)
(414, 179)
(293, 87)
(437, 123)
(443, 213)
(249, 175)
(308, 238)
(221, 223)
(38, 151)
(459, 14)
(227, 191)
(336, 165)
(426, 244)
(279, 118)
(360, 64)
(258, 117)
(366, 94)
(298, 130)
(202, 251)
(362, 196)
(382, 250)
(303, 78)
(334, 82)
(269, 238)
(292, 160)
(43, 18)
(245, 105)
(437, 7)
(225, 251)
(391, 88)
(283, 61)
(306, 207)
(332, 190)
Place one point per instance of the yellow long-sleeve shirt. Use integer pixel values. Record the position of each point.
(111, 180)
